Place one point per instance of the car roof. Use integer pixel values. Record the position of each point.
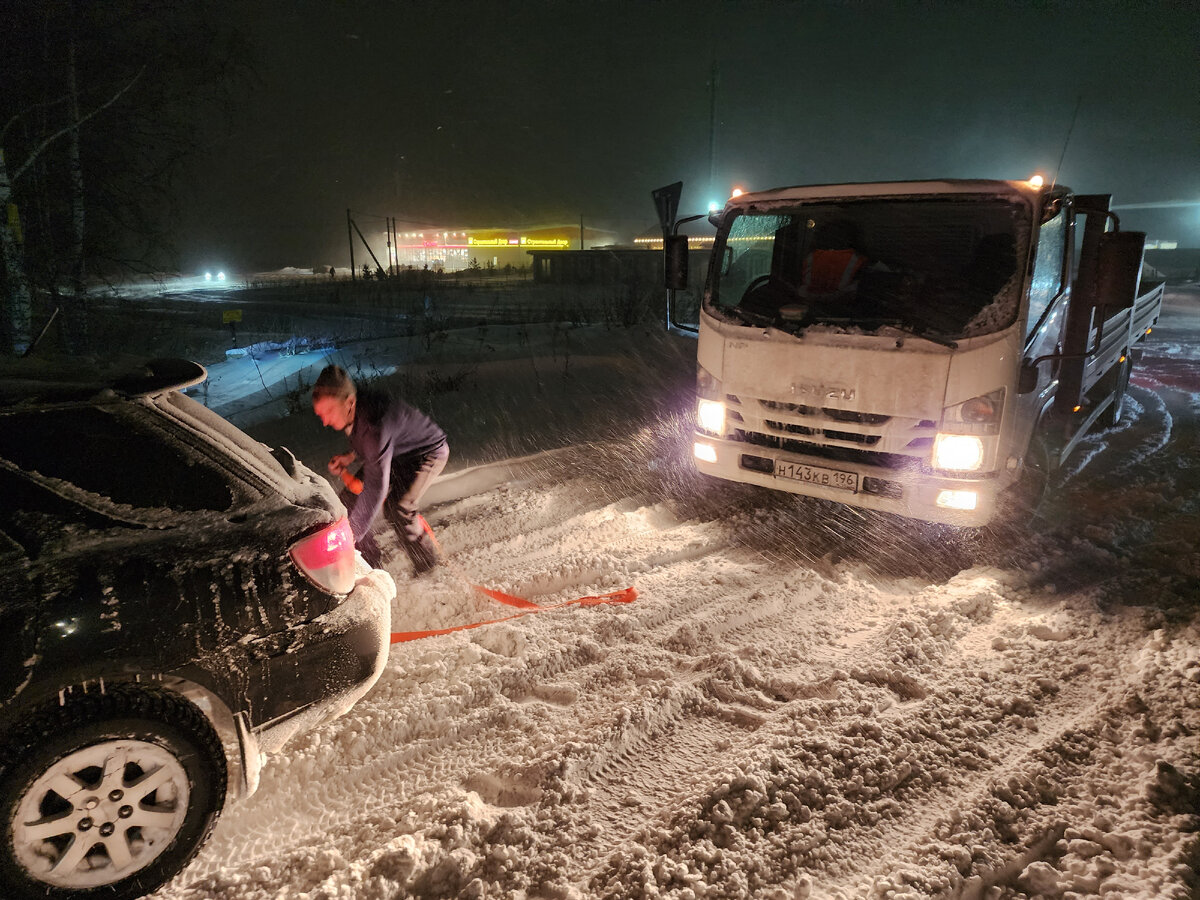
(74, 384)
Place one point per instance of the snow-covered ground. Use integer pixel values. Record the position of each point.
(803, 701)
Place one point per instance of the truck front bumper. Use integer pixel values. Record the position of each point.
(911, 492)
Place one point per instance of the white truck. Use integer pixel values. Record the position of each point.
(933, 349)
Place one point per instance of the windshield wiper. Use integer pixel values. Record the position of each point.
(751, 318)
(917, 330)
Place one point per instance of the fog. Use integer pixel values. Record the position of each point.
(470, 114)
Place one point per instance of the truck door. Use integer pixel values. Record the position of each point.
(1048, 300)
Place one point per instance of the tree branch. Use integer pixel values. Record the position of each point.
(11, 122)
(33, 154)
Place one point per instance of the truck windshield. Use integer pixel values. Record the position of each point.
(941, 267)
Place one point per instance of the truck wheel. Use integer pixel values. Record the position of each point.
(108, 795)
(1111, 416)
(1020, 502)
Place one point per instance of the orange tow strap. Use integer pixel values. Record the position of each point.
(628, 595)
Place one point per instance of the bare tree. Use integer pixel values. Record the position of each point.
(14, 266)
(98, 111)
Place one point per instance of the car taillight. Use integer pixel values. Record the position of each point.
(327, 557)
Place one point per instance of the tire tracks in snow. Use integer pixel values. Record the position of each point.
(762, 715)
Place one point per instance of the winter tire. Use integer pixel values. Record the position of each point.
(1111, 417)
(1020, 502)
(107, 796)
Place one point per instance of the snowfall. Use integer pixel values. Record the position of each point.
(803, 701)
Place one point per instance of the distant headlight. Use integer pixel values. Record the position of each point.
(208, 276)
(710, 416)
(220, 276)
(963, 452)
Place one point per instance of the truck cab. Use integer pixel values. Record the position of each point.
(919, 348)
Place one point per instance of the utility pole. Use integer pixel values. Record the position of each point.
(350, 238)
(581, 232)
(713, 79)
(387, 224)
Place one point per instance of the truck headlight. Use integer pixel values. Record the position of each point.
(979, 415)
(710, 416)
(963, 452)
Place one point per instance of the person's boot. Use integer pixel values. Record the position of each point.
(423, 554)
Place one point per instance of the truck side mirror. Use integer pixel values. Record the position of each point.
(676, 247)
(1027, 381)
(1119, 268)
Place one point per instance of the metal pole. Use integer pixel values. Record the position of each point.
(581, 232)
(712, 128)
(368, 246)
(350, 238)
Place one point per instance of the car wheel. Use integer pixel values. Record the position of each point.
(108, 795)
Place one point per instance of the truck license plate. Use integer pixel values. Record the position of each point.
(846, 481)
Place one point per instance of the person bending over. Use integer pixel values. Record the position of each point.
(401, 450)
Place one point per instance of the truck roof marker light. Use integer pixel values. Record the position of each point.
(1148, 330)
(704, 452)
(957, 499)
(1122, 359)
(1037, 181)
(737, 192)
(1077, 409)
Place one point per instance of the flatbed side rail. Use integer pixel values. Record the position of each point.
(1120, 333)
(1146, 311)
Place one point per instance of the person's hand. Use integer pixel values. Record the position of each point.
(340, 463)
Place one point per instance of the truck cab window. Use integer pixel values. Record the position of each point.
(751, 247)
(940, 267)
(1047, 281)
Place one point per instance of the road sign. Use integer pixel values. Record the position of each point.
(666, 201)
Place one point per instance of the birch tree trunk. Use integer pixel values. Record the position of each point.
(18, 299)
(75, 305)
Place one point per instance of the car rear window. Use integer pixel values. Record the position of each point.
(235, 442)
(115, 456)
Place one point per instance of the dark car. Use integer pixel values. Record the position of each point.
(175, 600)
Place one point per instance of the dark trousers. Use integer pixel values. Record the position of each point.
(411, 476)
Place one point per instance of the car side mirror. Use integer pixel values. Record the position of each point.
(1027, 381)
(676, 247)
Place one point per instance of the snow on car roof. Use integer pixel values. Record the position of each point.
(33, 386)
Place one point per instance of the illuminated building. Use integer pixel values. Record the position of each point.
(454, 249)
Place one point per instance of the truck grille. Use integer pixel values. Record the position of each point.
(841, 435)
(838, 415)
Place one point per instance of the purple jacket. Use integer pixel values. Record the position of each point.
(386, 431)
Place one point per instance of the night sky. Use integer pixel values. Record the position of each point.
(477, 114)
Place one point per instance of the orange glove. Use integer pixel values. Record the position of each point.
(354, 485)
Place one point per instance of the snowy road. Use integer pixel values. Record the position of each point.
(804, 701)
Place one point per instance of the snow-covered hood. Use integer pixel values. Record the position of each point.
(883, 374)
